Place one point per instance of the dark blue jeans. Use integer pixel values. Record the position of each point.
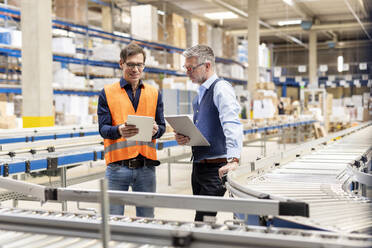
(205, 181)
(140, 179)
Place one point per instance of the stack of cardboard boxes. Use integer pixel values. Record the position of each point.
(229, 46)
(265, 102)
(7, 116)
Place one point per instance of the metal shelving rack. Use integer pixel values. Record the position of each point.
(7, 13)
(365, 79)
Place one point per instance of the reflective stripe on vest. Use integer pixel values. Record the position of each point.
(127, 143)
(120, 107)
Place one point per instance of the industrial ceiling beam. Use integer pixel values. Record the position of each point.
(358, 19)
(362, 8)
(298, 29)
(244, 15)
(300, 9)
(324, 45)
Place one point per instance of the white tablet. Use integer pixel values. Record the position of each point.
(144, 125)
(182, 124)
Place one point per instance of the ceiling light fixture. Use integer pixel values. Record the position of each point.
(340, 63)
(289, 2)
(289, 22)
(221, 15)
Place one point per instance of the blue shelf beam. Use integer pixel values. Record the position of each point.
(106, 4)
(264, 129)
(16, 90)
(11, 90)
(236, 81)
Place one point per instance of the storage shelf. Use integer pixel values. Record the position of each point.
(92, 32)
(291, 81)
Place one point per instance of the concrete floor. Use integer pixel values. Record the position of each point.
(180, 184)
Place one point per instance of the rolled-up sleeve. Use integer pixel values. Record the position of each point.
(229, 109)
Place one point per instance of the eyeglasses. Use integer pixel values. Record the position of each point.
(192, 68)
(139, 66)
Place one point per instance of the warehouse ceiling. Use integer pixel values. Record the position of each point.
(336, 20)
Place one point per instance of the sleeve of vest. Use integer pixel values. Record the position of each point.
(106, 130)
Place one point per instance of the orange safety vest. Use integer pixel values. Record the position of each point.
(120, 107)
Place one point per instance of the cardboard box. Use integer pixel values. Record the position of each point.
(217, 38)
(367, 115)
(176, 32)
(72, 10)
(202, 34)
(329, 104)
(144, 23)
(259, 85)
(16, 3)
(269, 86)
(6, 108)
(3, 108)
(257, 95)
(95, 119)
(3, 97)
(229, 46)
(175, 60)
(7, 122)
(363, 114)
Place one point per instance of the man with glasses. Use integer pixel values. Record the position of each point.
(216, 115)
(130, 163)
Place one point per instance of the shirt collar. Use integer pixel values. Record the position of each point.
(209, 81)
(124, 83)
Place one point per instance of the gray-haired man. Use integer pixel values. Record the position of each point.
(216, 115)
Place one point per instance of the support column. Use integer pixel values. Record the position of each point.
(37, 91)
(313, 79)
(107, 21)
(253, 44)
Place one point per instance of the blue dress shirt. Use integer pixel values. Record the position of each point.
(107, 130)
(229, 109)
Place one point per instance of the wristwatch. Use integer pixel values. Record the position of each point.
(230, 160)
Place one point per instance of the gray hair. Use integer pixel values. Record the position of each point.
(202, 52)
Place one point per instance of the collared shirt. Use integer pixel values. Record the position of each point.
(108, 131)
(229, 109)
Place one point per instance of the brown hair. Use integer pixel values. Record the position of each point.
(130, 50)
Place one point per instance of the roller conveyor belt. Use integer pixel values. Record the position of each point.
(34, 149)
(37, 229)
(40, 155)
(323, 179)
(46, 133)
(62, 132)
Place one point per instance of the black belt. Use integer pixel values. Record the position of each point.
(136, 163)
(213, 161)
(132, 163)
